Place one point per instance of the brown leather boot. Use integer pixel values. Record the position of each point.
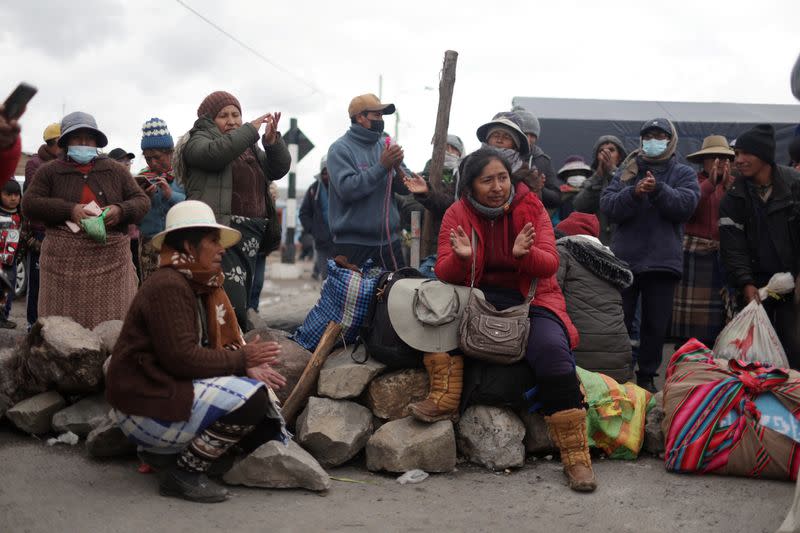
(446, 373)
(568, 431)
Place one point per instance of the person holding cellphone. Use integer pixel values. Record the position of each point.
(158, 181)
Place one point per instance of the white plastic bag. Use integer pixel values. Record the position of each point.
(751, 337)
(780, 283)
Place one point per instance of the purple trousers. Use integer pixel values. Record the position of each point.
(548, 350)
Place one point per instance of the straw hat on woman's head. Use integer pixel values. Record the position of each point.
(195, 214)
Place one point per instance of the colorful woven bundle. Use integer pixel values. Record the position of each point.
(730, 417)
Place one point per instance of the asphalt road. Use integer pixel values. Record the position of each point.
(59, 489)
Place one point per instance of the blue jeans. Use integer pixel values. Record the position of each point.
(258, 282)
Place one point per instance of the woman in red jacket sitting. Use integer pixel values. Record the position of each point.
(515, 244)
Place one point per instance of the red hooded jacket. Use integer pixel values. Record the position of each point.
(498, 237)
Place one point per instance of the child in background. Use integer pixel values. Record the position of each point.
(10, 223)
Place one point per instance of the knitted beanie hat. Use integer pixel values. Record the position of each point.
(759, 141)
(214, 102)
(155, 134)
(580, 224)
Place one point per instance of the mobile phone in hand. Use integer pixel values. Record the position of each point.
(15, 104)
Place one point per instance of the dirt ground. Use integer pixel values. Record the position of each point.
(60, 489)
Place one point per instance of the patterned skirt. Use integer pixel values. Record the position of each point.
(85, 280)
(239, 264)
(213, 398)
(699, 310)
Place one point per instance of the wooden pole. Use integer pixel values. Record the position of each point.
(307, 384)
(415, 259)
(446, 84)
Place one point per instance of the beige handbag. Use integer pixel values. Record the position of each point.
(484, 333)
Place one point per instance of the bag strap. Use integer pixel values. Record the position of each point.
(474, 244)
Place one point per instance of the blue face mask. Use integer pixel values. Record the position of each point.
(81, 154)
(654, 147)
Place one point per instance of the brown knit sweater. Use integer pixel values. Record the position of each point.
(158, 353)
(57, 187)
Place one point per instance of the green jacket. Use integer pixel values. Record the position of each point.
(208, 155)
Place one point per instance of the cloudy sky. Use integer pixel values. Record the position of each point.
(127, 61)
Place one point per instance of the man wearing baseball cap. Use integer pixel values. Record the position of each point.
(365, 170)
(47, 152)
(758, 230)
(33, 230)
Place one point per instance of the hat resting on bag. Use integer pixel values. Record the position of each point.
(195, 214)
(713, 145)
(79, 120)
(425, 313)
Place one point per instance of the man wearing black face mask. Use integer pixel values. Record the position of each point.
(365, 170)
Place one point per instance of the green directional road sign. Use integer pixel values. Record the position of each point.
(296, 136)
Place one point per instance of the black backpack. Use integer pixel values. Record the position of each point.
(379, 337)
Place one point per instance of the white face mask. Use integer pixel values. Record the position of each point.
(451, 160)
(576, 181)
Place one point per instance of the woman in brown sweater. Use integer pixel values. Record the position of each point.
(183, 384)
(82, 278)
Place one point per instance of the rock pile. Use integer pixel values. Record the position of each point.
(359, 408)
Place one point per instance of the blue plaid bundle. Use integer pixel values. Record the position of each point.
(344, 299)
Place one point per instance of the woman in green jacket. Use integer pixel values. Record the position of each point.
(226, 169)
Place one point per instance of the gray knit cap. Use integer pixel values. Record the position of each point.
(456, 142)
(527, 121)
(605, 139)
(323, 163)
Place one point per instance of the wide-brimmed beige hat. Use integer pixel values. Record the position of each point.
(425, 313)
(713, 145)
(195, 214)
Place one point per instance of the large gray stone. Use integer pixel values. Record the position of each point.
(341, 377)
(334, 431)
(276, 466)
(9, 380)
(653, 432)
(537, 441)
(108, 332)
(390, 395)
(107, 440)
(78, 417)
(292, 362)
(60, 353)
(406, 444)
(34, 414)
(492, 437)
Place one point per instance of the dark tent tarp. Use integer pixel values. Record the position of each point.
(571, 126)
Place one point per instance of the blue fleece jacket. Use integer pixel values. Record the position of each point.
(155, 219)
(358, 190)
(649, 234)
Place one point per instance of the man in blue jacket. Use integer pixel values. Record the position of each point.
(650, 199)
(365, 170)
